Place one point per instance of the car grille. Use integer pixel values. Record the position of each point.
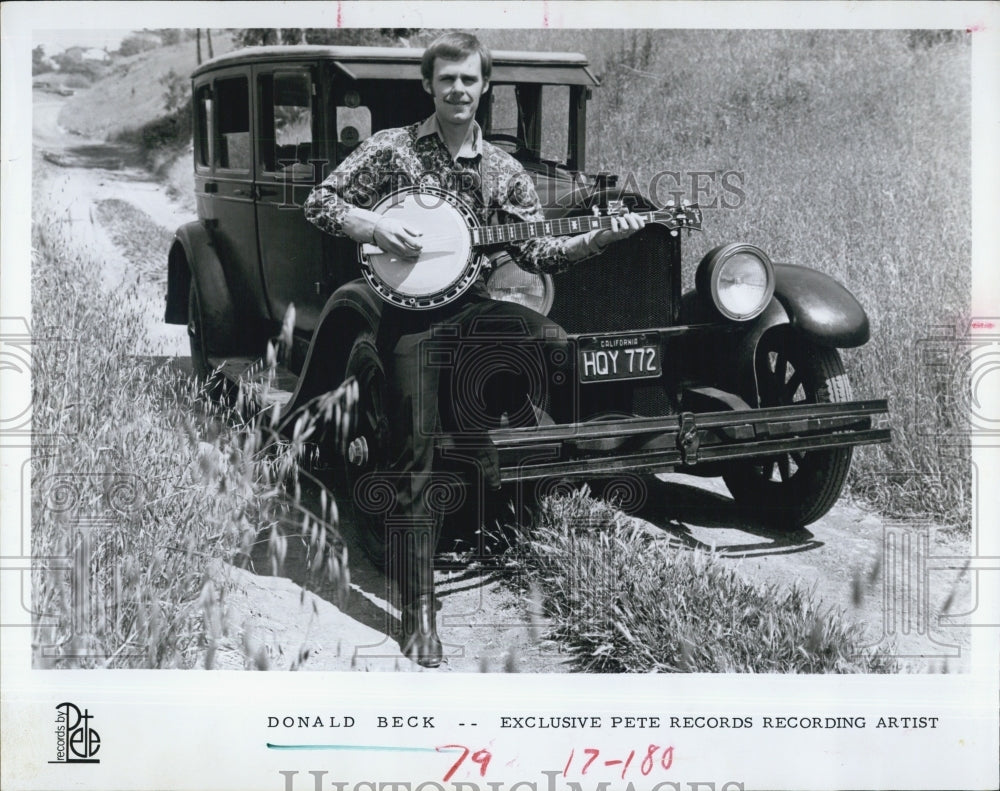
(626, 288)
(629, 287)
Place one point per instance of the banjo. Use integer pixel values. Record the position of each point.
(450, 260)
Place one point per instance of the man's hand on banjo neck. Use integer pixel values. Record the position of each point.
(622, 226)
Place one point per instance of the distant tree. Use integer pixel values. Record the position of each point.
(71, 61)
(39, 63)
(169, 35)
(208, 35)
(197, 39)
(176, 92)
(133, 45)
(255, 36)
(380, 37)
(927, 39)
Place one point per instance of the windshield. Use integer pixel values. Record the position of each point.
(530, 121)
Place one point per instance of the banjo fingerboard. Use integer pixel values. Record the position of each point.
(518, 232)
(567, 226)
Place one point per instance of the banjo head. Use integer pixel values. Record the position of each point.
(447, 264)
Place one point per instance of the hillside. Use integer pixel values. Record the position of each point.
(132, 94)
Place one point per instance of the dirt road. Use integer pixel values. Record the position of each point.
(881, 573)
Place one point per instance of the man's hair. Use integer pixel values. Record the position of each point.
(455, 46)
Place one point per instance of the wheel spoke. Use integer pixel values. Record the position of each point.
(780, 370)
(791, 386)
(766, 468)
(765, 379)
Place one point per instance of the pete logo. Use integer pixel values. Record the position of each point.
(76, 741)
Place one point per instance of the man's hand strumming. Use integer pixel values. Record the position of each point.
(396, 238)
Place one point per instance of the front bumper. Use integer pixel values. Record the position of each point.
(660, 444)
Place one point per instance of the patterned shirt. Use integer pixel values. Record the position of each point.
(488, 180)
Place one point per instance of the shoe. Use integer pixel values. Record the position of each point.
(421, 643)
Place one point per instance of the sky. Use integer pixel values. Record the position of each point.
(55, 41)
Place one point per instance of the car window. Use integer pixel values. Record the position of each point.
(514, 117)
(555, 122)
(204, 121)
(503, 112)
(233, 114)
(354, 124)
(286, 138)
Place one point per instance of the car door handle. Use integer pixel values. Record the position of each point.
(263, 192)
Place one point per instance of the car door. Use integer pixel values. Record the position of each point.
(288, 167)
(224, 183)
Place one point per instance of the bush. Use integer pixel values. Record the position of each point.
(77, 81)
(133, 45)
(168, 131)
(177, 91)
(72, 63)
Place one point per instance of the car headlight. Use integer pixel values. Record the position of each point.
(510, 283)
(737, 279)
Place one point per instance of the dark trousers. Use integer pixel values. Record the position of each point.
(462, 370)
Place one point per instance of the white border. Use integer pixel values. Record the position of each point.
(211, 738)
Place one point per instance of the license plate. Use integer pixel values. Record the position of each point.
(603, 358)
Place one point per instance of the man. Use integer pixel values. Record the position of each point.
(448, 151)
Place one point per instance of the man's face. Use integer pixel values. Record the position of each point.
(457, 86)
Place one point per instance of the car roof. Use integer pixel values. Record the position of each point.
(404, 63)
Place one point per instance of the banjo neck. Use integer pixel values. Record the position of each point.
(673, 218)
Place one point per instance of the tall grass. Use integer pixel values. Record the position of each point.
(854, 148)
(623, 601)
(143, 489)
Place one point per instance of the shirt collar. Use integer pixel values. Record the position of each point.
(472, 146)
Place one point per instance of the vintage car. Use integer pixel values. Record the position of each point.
(739, 377)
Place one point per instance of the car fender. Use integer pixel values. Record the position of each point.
(814, 305)
(192, 255)
(820, 308)
(350, 309)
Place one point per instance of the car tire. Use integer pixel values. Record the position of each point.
(365, 492)
(793, 490)
(196, 335)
